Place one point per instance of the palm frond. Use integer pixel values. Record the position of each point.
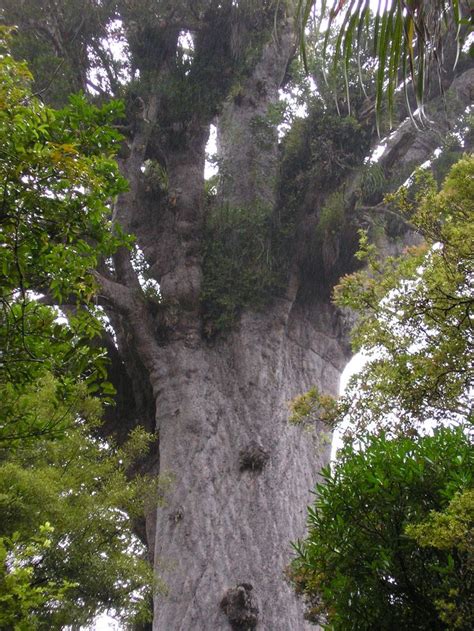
(407, 40)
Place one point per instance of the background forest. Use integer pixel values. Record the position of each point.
(171, 345)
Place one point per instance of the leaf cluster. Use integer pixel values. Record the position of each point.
(415, 311)
(57, 178)
(362, 566)
(240, 266)
(79, 485)
(321, 148)
(408, 39)
(67, 45)
(57, 174)
(19, 595)
(312, 407)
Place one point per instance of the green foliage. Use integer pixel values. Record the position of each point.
(415, 312)
(322, 148)
(450, 528)
(58, 176)
(156, 177)
(210, 188)
(318, 152)
(360, 566)
(40, 408)
(67, 549)
(343, 92)
(240, 267)
(450, 532)
(453, 146)
(312, 407)
(399, 27)
(62, 42)
(390, 535)
(20, 596)
(332, 216)
(373, 182)
(80, 485)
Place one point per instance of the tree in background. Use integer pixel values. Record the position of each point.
(242, 320)
(67, 507)
(390, 535)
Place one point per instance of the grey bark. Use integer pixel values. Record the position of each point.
(223, 525)
(246, 137)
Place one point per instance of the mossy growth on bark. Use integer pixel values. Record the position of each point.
(332, 215)
(373, 183)
(247, 249)
(243, 264)
(316, 155)
(321, 148)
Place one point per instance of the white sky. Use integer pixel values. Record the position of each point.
(105, 623)
(354, 366)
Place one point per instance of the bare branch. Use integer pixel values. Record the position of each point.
(120, 296)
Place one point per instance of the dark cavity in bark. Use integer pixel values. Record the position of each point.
(240, 608)
(253, 457)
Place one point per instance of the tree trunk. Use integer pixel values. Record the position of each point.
(240, 476)
(236, 477)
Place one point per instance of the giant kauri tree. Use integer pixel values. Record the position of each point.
(222, 311)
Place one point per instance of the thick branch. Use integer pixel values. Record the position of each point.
(324, 254)
(120, 296)
(409, 147)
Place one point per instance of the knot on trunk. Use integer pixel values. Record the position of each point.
(240, 608)
(253, 457)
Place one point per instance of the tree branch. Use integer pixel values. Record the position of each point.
(119, 296)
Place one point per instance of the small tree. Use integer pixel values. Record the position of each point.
(67, 509)
(358, 567)
(389, 542)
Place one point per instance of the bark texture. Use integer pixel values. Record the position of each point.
(223, 530)
(223, 525)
